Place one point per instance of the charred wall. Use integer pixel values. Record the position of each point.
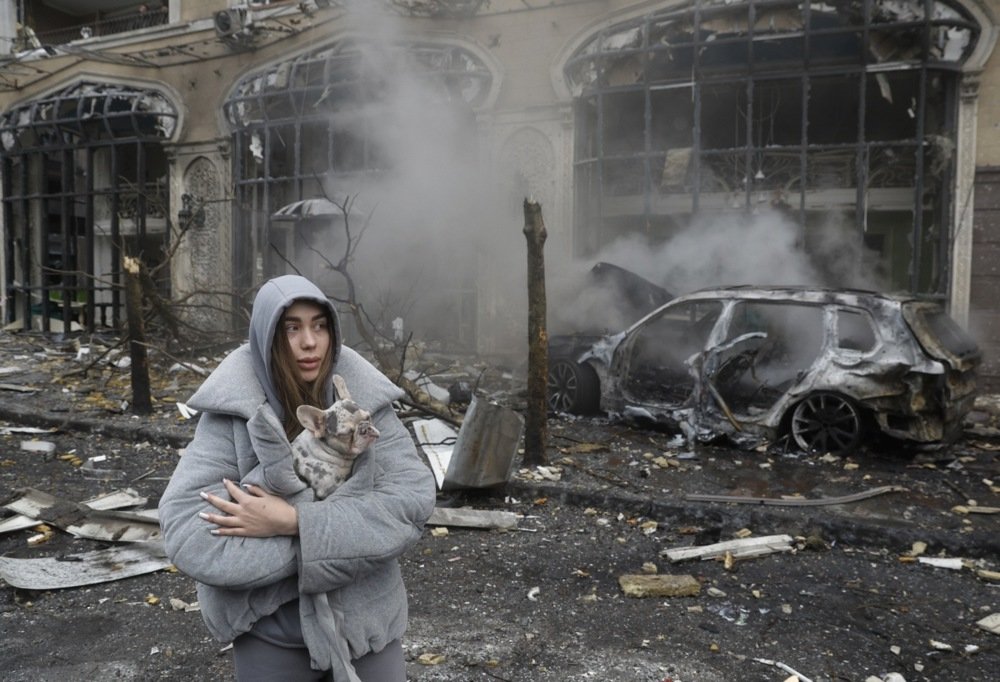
(984, 316)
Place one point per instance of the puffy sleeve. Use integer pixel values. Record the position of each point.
(374, 517)
(222, 561)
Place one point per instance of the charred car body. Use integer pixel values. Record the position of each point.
(758, 363)
(573, 387)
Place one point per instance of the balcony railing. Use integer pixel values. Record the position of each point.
(105, 27)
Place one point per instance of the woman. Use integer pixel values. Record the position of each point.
(238, 520)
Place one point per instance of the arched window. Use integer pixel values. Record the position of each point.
(324, 122)
(85, 180)
(833, 108)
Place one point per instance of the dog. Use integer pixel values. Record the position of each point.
(324, 453)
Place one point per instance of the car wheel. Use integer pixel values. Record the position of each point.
(573, 387)
(827, 422)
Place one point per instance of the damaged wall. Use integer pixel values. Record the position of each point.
(526, 131)
(984, 315)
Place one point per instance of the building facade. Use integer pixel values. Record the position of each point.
(855, 134)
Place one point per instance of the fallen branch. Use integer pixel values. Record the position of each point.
(796, 501)
(590, 472)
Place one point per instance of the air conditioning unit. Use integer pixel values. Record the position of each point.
(232, 22)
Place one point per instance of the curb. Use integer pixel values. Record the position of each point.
(174, 437)
(892, 536)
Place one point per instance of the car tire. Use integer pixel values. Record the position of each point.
(827, 422)
(573, 388)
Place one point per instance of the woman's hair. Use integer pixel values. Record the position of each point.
(291, 390)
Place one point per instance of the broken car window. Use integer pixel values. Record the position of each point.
(855, 331)
(767, 347)
(659, 350)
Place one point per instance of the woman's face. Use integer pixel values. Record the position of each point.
(309, 337)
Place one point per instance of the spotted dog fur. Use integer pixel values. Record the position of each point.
(324, 452)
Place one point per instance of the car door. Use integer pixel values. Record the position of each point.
(653, 363)
(768, 347)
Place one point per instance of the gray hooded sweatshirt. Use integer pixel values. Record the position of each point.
(348, 544)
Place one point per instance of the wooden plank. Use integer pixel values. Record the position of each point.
(764, 544)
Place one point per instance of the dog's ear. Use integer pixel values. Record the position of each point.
(312, 419)
(341, 386)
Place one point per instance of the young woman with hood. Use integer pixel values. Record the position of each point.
(260, 546)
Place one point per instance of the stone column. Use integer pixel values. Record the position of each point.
(201, 215)
(962, 206)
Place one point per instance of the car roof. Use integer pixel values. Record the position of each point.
(803, 294)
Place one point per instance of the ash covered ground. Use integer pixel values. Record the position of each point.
(544, 601)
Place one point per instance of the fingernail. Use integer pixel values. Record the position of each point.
(203, 515)
(214, 531)
(204, 495)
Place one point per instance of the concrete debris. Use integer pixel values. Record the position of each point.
(660, 585)
(990, 623)
(44, 447)
(181, 605)
(431, 659)
(472, 518)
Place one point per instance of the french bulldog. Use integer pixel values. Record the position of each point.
(324, 453)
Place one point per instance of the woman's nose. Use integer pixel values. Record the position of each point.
(308, 338)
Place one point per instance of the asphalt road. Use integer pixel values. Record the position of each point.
(851, 600)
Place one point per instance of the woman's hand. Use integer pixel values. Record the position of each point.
(253, 512)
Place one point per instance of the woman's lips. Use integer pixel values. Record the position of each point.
(309, 363)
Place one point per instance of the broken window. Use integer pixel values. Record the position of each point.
(768, 347)
(842, 110)
(329, 123)
(85, 182)
(855, 331)
(48, 22)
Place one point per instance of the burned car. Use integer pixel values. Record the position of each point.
(573, 387)
(755, 364)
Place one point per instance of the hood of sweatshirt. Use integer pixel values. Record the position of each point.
(272, 299)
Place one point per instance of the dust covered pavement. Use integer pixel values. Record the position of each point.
(854, 598)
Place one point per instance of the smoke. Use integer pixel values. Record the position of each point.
(443, 248)
(766, 249)
(428, 209)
